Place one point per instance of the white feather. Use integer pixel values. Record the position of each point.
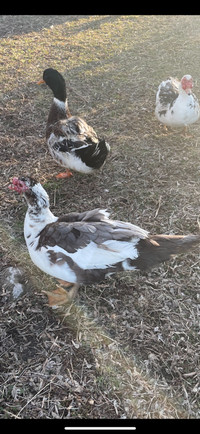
(68, 159)
(184, 111)
(107, 254)
(60, 104)
(92, 256)
(41, 258)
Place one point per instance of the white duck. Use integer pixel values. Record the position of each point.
(176, 105)
(83, 248)
(71, 141)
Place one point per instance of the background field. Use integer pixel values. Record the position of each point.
(129, 347)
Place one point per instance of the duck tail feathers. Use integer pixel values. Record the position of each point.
(159, 248)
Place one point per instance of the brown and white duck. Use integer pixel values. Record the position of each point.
(71, 141)
(83, 248)
(176, 105)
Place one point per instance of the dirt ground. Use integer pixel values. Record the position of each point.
(129, 347)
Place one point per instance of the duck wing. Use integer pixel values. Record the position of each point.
(76, 130)
(76, 137)
(73, 235)
(168, 92)
(92, 245)
(90, 248)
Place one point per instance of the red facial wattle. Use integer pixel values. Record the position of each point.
(18, 185)
(187, 85)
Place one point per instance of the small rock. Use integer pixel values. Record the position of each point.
(12, 278)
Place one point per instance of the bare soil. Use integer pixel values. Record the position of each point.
(129, 347)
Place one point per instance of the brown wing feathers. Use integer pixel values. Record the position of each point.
(74, 236)
(75, 230)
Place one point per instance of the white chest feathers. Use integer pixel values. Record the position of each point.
(182, 112)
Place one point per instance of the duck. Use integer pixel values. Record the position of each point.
(84, 248)
(72, 143)
(176, 105)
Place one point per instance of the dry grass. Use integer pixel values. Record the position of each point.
(129, 347)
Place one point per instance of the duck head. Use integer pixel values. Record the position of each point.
(187, 83)
(35, 195)
(56, 82)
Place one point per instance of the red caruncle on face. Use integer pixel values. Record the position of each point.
(187, 83)
(18, 185)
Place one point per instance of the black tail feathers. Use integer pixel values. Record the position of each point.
(159, 248)
(95, 154)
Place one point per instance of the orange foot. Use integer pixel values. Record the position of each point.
(61, 296)
(63, 175)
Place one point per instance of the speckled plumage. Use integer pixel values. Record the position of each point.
(175, 106)
(71, 141)
(83, 248)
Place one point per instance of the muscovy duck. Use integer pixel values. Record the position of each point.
(176, 105)
(83, 248)
(71, 141)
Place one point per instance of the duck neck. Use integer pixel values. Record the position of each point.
(59, 111)
(36, 219)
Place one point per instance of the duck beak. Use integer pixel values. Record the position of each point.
(41, 81)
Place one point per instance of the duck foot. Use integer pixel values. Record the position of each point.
(62, 296)
(63, 175)
(186, 132)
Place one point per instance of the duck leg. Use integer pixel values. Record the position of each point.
(65, 174)
(60, 295)
(186, 132)
(166, 129)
